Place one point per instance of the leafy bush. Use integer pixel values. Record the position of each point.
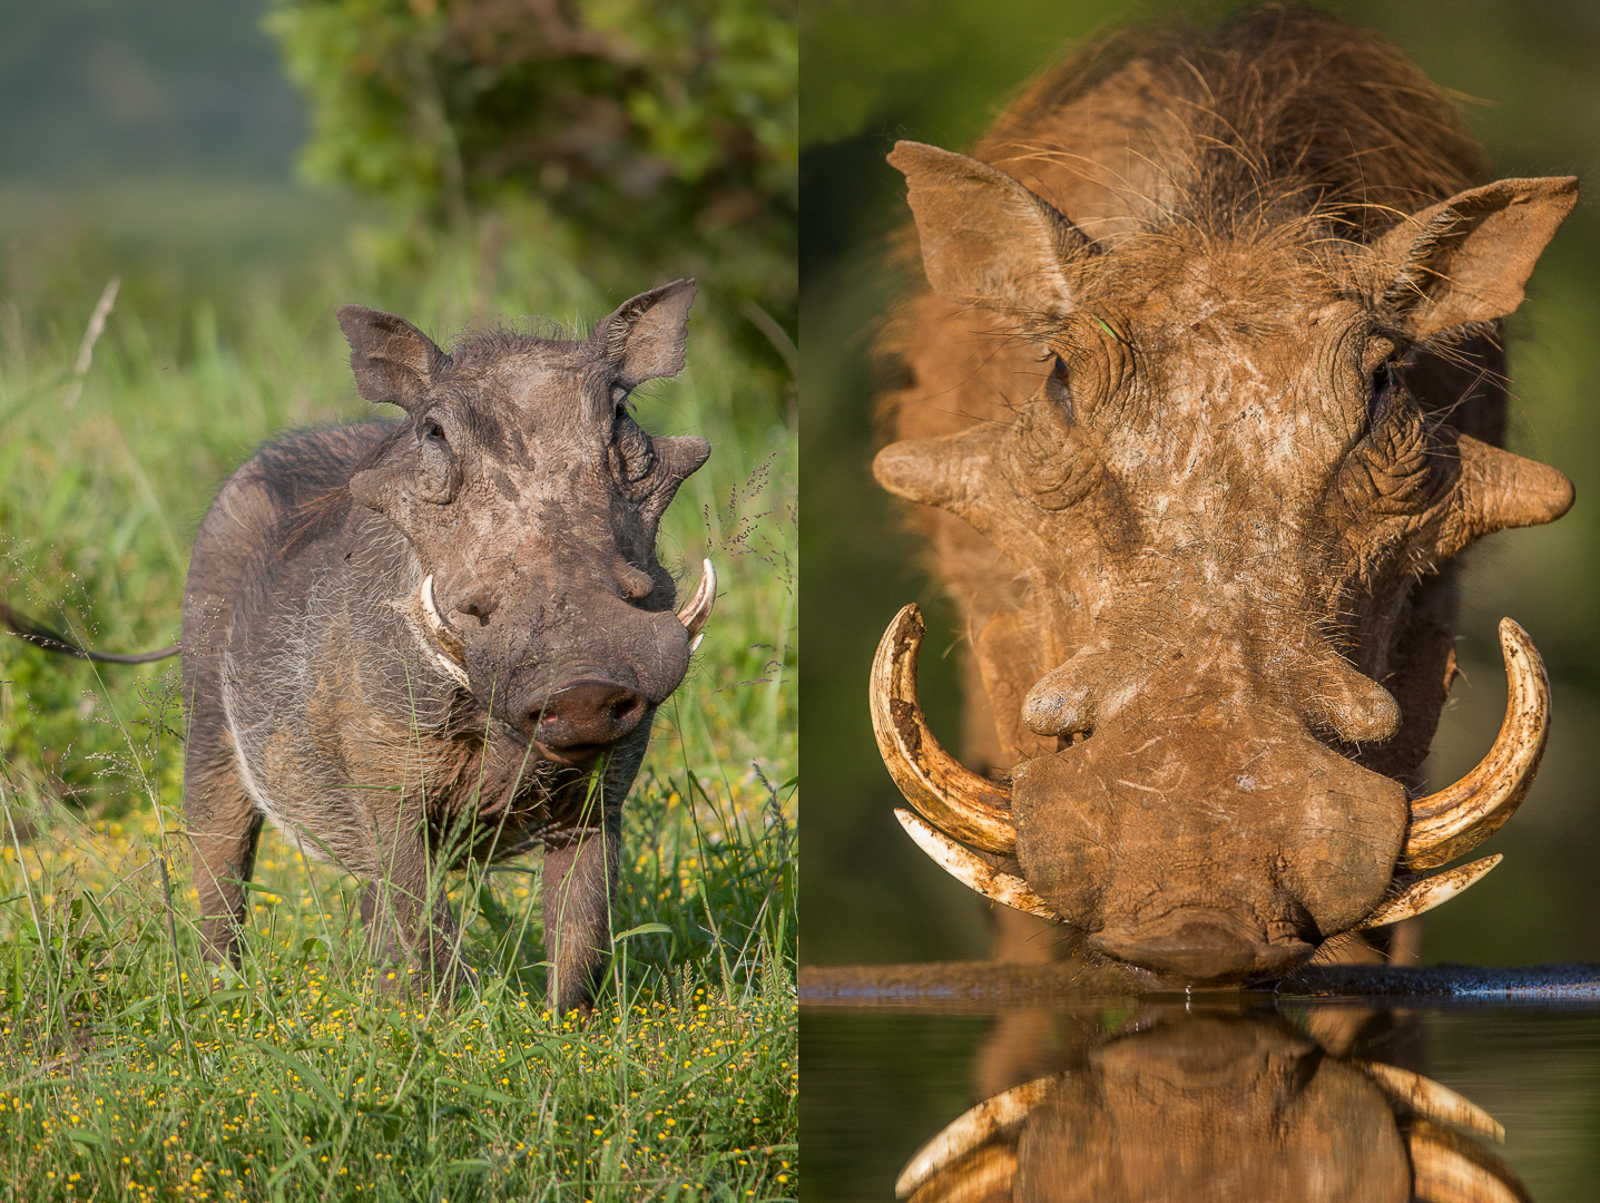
(665, 134)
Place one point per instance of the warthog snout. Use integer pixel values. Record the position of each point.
(581, 720)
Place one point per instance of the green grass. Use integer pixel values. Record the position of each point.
(125, 1072)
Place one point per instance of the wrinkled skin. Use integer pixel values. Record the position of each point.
(1200, 424)
(1212, 1106)
(321, 695)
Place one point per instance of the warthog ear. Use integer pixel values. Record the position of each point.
(1467, 259)
(647, 336)
(986, 239)
(392, 360)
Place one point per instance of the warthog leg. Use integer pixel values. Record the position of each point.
(398, 935)
(576, 887)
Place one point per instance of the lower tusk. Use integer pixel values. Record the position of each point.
(1458, 818)
(1448, 1168)
(968, 1131)
(972, 870)
(693, 616)
(1432, 1100)
(1428, 893)
(948, 794)
(454, 659)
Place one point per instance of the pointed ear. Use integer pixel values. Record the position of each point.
(986, 239)
(648, 336)
(392, 360)
(1467, 259)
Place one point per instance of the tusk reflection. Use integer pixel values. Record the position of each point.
(1209, 1104)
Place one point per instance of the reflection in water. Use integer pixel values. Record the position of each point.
(1178, 1103)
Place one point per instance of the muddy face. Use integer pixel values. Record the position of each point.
(532, 499)
(1199, 516)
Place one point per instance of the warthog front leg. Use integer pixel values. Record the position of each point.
(576, 888)
(398, 933)
(405, 907)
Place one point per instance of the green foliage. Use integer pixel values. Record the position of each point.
(132, 1073)
(665, 134)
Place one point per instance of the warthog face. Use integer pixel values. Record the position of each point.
(1209, 457)
(531, 498)
(410, 644)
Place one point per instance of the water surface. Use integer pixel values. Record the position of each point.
(1242, 1096)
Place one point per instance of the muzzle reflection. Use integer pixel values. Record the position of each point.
(1168, 1102)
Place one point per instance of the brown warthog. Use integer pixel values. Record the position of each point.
(410, 644)
(1205, 397)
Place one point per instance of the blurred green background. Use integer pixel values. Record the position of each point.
(937, 71)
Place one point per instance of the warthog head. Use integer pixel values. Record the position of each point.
(1203, 514)
(531, 497)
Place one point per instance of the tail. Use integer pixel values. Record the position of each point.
(51, 641)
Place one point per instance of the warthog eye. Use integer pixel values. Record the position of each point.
(621, 398)
(1382, 383)
(434, 432)
(1055, 387)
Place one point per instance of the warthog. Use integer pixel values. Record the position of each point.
(412, 644)
(1205, 396)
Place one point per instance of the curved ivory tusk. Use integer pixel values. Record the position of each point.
(1427, 893)
(948, 794)
(697, 610)
(1458, 818)
(972, 870)
(454, 657)
(1432, 1100)
(1448, 1168)
(969, 1130)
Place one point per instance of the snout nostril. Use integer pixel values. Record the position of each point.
(585, 715)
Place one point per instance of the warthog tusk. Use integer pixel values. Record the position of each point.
(1427, 893)
(1431, 1099)
(1448, 1168)
(972, 870)
(694, 614)
(1458, 818)
(968, 1131)
(948, 794)
(454, 659)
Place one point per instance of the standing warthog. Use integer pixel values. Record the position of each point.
(1205, 397)
(412, 644)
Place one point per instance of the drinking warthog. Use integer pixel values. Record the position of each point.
(1205, 397)
(413, 644)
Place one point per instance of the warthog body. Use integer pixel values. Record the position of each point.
(1205, 397)
(410, 644)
